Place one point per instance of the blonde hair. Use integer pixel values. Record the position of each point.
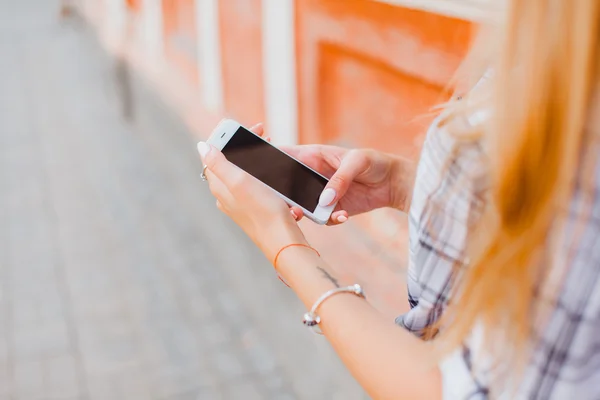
(544, 60)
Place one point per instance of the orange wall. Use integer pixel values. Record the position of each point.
(180, 37)
(367, 69)
(241, 50)
(134, 5)
(367, 72)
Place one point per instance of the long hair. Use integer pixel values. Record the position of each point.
(544, 59)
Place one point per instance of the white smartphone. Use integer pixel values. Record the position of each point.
(293, 181)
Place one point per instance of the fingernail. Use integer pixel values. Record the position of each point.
(294, 214)
(326, 197)
(342, 218)
(203, 149)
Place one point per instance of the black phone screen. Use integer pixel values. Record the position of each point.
(275, 168)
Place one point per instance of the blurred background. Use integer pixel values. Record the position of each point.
(119, 278)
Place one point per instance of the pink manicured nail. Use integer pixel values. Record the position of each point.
(203, 149)
(294, 214)
(342, 218)
(327, 197)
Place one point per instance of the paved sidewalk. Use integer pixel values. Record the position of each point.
(115, 282)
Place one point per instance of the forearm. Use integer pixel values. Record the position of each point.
(403, 175)
(386, 360)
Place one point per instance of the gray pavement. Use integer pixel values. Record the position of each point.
(119, 279)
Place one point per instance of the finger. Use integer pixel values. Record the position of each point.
(230, 175)
(324, 159)
(219, 190)
(258, 129)
(338, 217)
(297, 213)
(354, 164)
(300, 152)
(310, 156)
(315, 150)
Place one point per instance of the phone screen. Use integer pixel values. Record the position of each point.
(275, 168)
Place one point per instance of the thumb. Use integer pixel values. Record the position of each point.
(354, 164)
(258, 129)
(216, 162)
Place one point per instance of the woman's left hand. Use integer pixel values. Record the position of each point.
(263, 215)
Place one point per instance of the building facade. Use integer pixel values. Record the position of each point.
(360, 73)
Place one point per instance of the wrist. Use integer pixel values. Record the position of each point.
(402, 179)
(306, 273)
(283, 236)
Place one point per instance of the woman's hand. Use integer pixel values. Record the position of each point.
(264, 216)
(360, 180)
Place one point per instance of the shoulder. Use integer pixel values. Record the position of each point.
(452, 173)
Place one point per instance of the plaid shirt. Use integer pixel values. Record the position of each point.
(448, 197)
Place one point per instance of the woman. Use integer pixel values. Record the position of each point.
(503, 220)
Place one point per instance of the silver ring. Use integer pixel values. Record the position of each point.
(203, 174)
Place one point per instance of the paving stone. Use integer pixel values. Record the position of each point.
(61, 377)
(132, 383)
(260, 355)
(275, 383)
(282, 396)
(173, 382)
(229, 365)
(214, 333)
(110, 353)
(41, 342)
(29, 379)
(6, 382)
(244, 389)
(201, 308)
(206, 393)
(102, 387)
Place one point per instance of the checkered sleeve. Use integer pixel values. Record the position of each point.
(565, 349)
(445, 201)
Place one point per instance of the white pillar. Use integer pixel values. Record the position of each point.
(279, 63)
(209, 54)
(475, 10)
(86, 7)
(152, 29)
(116, 15)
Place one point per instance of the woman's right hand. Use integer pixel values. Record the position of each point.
(360, 180)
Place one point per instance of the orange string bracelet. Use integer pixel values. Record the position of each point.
(287, 247)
